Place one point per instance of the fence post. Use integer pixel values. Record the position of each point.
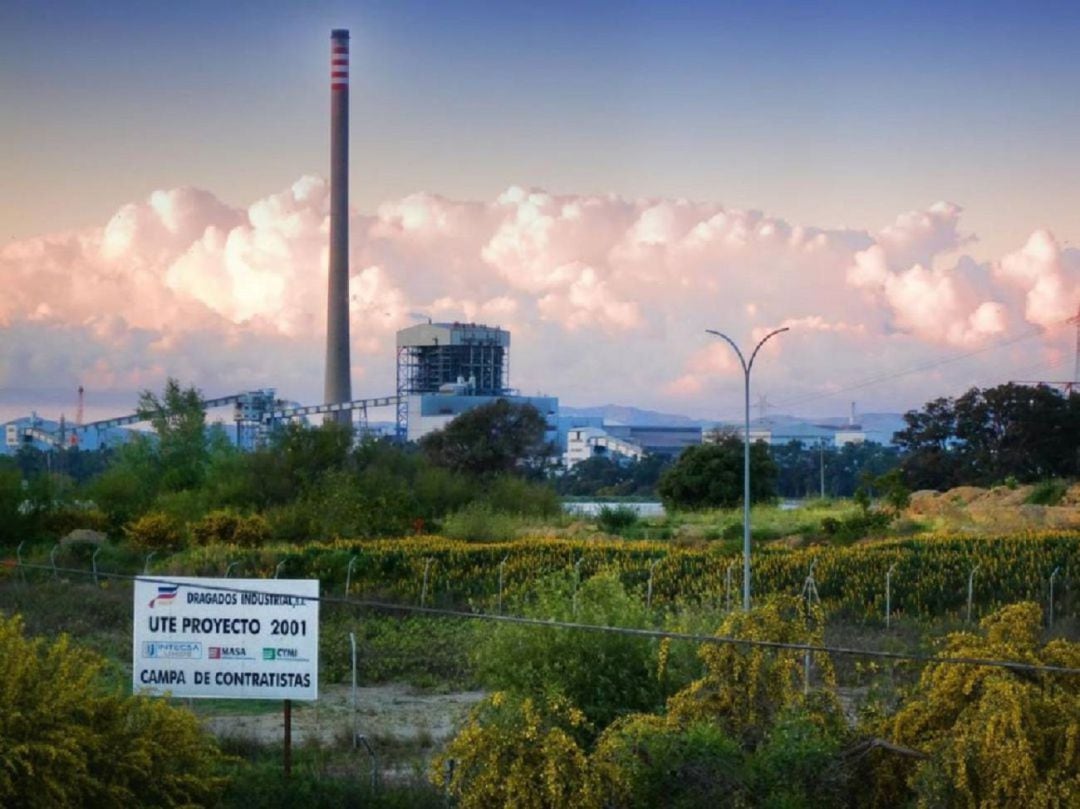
(352, 644)
(806, 672)
(146, 562)
(229, 567)
(374, 760)
(423, 589)
(1050, 621)
(971, 585)
(577, 581)
(277, 569)
(348, 576)
(648, 595)
(18, 558)
(52, 558)
(888, 594)
(809, 590)
(502, 564)
(727, 584)
(93, 562)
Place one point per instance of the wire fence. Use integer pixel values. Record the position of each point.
(549, 624)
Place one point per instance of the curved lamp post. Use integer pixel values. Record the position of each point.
(747, 367)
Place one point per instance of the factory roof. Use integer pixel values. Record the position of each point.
(452, 334)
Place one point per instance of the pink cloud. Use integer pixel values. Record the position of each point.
(608, 298)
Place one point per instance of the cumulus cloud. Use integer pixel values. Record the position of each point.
(1048, 276)
(941, 305)
(608, 298)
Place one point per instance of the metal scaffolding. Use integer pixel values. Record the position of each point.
(464, 358)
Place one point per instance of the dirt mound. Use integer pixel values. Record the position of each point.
(1000, 509)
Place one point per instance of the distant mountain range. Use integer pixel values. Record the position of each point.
(878, 427)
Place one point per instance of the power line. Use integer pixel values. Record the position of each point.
(658, 634)
(929, 366)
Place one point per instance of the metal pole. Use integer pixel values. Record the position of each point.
(93, 563)
(52, 559)
(971, 583)
(146, 563)
(1050, 622)
(352, 643)
(746, 492)
(230, 566)
(821, 461)
(348, 576)
(287, 752)
(277, 569)
(18, 557)
(747, 367)
(888, 593)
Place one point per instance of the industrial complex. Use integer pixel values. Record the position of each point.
(443, 369)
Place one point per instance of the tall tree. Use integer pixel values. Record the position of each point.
(498, 437)
(179, 419)
(711, 475)
(988, 435)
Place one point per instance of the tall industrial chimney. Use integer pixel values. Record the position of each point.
(338, 383)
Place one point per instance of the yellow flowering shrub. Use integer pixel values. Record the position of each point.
(745, 688)
(517, 752)
(994, 737)
(65, 742)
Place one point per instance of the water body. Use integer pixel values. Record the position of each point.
(592, 508)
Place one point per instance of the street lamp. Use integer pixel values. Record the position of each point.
(747, 367)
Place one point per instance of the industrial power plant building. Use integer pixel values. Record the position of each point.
(445, 369)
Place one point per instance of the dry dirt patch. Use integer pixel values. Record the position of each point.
(391, 711)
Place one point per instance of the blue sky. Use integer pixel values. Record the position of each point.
(932, 145)
(836, 113)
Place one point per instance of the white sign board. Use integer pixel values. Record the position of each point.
(227, 638)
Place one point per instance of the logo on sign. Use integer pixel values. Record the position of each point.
(165, 592)
(280, 653)
(227, 653)
(172, 650)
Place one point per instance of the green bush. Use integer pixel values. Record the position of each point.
(422, 651)
(292, 522)
(316, 783)
(65, 742)
(1047, 493)
(616, 520)
(479, 522)
(797, 764)
(67, 518)
(856, 526)
(603, 674)
(12, 520)
(644, 761)
(512, 495)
